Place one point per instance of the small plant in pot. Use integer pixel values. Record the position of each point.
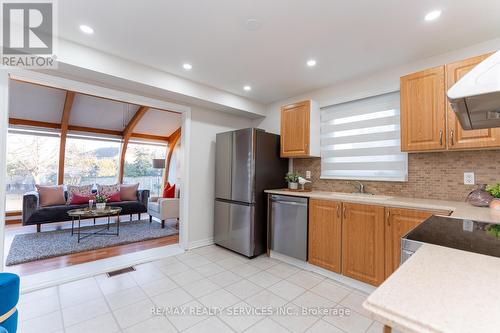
(293, 180)
(100, 201)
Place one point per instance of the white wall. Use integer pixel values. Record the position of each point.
(4, 107)
(205, 124)
(370, 85)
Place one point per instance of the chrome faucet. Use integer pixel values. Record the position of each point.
(359, 186)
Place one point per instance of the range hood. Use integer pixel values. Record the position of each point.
(475, 98)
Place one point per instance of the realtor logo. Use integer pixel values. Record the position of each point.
(27, 34)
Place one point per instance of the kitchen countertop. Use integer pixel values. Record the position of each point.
(459, 209)
(440, 289)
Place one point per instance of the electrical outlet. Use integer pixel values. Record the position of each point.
(308, 174)
(469, 178)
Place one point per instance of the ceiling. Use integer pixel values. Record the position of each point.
(347, 38)
(46, 104)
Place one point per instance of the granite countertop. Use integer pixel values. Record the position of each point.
(440, 289)
(459, 209)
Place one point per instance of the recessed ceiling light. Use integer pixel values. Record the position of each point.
(187, 66)
(86, 29)
(431, 16)
(311, 63)
(247, 88)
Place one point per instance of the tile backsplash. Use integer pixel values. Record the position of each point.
(430, 175)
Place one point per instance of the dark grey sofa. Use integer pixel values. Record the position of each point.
(34, 214)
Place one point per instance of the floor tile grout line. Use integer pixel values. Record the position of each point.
(113, 314)
(60, 308)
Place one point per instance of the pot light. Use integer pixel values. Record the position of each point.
(431, 16)
(311, 63)
(86, 29)
(187, 66)
(247, 88)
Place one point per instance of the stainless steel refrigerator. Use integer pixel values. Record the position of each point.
(247, 162)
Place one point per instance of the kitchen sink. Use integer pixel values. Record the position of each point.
(361, 195)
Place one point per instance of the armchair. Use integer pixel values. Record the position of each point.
(163, 208)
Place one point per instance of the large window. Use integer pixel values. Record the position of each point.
(139, 166)
(32, 158)
(361, 140)
(91, 160)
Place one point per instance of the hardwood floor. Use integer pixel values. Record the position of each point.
(76, 258)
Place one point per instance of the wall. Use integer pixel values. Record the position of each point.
(205, 124)
(430, 175)
(4, 115)
(434, 175)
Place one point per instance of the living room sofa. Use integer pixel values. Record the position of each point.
(34, 214)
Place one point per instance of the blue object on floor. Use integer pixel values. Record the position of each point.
(9, 296)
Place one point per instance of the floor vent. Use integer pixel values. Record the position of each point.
(121, 271)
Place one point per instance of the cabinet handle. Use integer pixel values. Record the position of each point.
(452, 134)
(345, 212)
(440, 137)
(338, 210)
(387, 215)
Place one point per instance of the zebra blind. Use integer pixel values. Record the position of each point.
(360, 140)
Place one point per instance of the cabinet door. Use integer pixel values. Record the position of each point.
(457, 137)
(423, 116)
(363, 242)
(325, 234)
(295, 124)
(398, 222)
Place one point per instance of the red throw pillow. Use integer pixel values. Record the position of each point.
(170, 193)
(165, 190)
(115, 197)
(78, 199)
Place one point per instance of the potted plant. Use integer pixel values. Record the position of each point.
(100, 201)
(293, 180)
(494, 190)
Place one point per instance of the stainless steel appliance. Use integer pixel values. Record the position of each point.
(247, 162)
(466, 235)
(288, 224)
(475, 98)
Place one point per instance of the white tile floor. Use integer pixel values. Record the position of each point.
(208, 278)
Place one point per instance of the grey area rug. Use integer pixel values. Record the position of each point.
(49, 244)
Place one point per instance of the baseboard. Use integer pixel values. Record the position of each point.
(200, 243)
(364, 287)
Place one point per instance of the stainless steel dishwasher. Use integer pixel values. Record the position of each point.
(288, 226)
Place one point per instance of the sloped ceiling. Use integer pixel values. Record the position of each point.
(39, 103)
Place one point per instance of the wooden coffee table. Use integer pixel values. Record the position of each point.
(87, 213)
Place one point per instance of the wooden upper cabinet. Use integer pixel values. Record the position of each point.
(300, 130)
(423, 110)
(457, 137)
(325, 234)
(398, 222)
(363, 242)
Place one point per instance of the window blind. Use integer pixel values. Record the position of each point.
(361, 140)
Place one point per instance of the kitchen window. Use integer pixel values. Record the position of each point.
(360, 140)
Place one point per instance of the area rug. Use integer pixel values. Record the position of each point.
(43, 245)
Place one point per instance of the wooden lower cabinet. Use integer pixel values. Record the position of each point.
(399, 222)
(363, 243)
(325, 234)
(359, 241)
